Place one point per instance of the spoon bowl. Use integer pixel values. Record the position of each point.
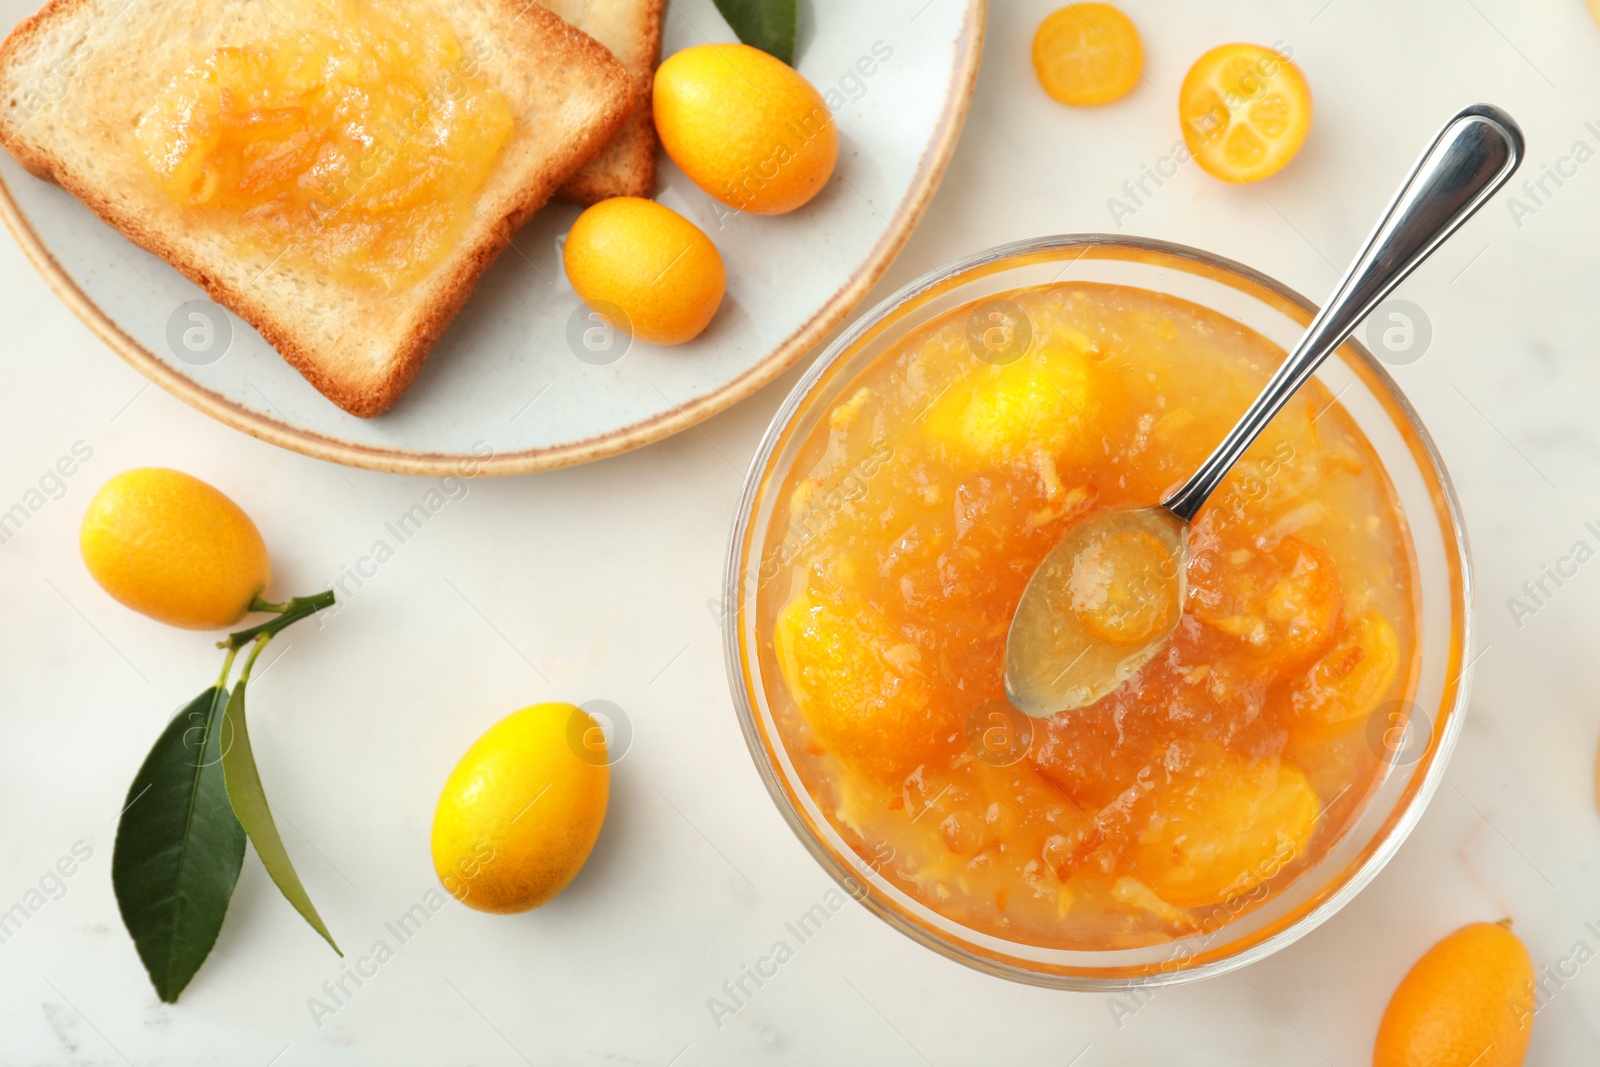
(1100, 606)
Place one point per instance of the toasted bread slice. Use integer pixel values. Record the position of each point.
(106, 61)
(631, 29)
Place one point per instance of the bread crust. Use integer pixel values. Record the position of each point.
(531, 32)
(627, 165)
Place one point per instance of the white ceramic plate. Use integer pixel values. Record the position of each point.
(522, 380)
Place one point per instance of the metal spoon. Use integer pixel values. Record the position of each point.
(1110, 595)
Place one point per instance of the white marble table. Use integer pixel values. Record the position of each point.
(599, 582)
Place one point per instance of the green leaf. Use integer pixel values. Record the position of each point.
(250, 805)
(178, 847)
(765, 24)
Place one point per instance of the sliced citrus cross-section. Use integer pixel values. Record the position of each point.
(1087, 54)
(1245, 111)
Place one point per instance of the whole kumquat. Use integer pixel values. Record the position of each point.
(745, 127)
(169, 546)
(656, 266)
(1467, 1001)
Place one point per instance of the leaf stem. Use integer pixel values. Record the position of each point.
(261, 643)
(227, 667)
(301, 607)
(265, 605)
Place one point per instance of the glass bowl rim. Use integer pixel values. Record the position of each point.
(733, 644)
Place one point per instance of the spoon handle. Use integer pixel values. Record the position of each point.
(1475, 153)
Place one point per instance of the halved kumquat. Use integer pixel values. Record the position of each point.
(1353, 676)
(1088, 54)
(1221, 826)
(1245, 111)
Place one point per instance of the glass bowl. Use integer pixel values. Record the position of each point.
(1415, 753)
